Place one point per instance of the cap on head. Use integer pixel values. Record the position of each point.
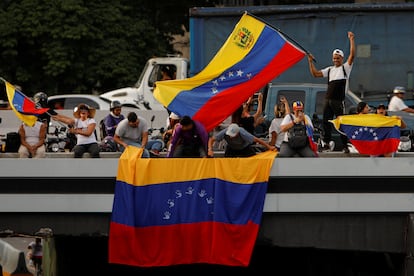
(174, 116)
(297, 105)
(338, 52)
(399, 89)
(233, 130)
(115, 104)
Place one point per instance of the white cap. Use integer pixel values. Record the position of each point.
(233, 130)
(338, 52)
(399, 89)
(174, 116)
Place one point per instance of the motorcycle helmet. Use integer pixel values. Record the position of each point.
(115, 104)
(40, 98)
(108, 145)
(405, 144)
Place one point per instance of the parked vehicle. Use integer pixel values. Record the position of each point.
(140, 95)
(59, 139)
(70, 101)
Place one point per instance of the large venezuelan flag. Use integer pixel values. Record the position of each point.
(371, 134)
(198, 210)
(24, 108)
(252, 56)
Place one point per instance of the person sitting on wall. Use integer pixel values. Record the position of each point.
(83, 126)
(32, 140)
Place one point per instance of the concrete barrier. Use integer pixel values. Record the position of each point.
(12, 261)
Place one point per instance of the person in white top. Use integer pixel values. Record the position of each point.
(32, 140)
(276, 134)
(83, 126)
(397, 102)
(338, 83)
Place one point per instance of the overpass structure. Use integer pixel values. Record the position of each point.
(357, 204)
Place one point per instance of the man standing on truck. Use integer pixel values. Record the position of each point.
(338, 76)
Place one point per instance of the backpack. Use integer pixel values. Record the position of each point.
(297, 135)
(102, 129)
(12, 142)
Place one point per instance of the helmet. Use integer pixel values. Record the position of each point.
(399, 89)
(40, 98)
(108, 145)
(405, 144)
(115, 104)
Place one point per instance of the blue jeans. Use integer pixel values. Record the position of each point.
(156, 145)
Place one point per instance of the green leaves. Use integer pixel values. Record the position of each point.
(65, 46)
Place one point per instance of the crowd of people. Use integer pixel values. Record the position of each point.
(185, 137)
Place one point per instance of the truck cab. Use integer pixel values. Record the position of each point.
(140, 95)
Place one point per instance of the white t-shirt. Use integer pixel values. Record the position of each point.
(82, 139)
(275, 127)
(337, 73)
(396, 104)
(288, 120)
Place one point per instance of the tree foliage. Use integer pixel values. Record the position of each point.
(75, 46)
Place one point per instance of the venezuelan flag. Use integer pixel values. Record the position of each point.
(252, 56)
(24, 108)
(371, 134)
(199, 210)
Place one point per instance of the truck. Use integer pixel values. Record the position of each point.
(140, 95)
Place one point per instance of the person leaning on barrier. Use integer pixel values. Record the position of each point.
(239, 142)
(132, 131)
(189, 139)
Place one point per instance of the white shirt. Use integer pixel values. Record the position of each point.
(84, 140)
(396, 104)
(275, 127)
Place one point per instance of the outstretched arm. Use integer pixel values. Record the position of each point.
(64, 119)
(263, 143)
(351, 48)
(314, 72)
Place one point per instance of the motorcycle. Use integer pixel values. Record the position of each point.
(156, 134)
(59, 139)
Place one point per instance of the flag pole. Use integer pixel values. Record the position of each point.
(282, 33)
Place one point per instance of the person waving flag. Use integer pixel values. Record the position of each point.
(253, 55)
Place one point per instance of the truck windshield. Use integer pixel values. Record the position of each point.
(141, 77)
